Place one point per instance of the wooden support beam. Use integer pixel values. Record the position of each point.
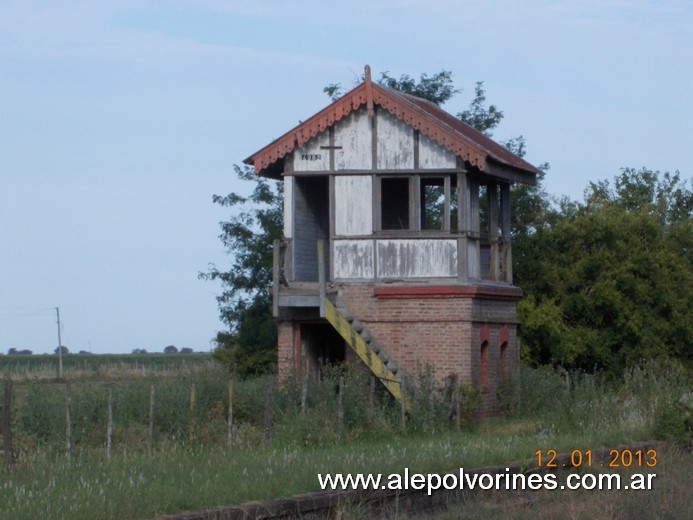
(506, 247)
(446, 204)
(473, 247)
(275, 277)
(321, 276)
(492, 198)
(462, 214)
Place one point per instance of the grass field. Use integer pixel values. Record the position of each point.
(77, 366)
(184, 472)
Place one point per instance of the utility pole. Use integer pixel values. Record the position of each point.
(60, 346)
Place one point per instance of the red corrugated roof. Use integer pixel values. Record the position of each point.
(442, 127)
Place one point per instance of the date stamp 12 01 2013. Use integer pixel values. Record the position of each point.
(618, 458)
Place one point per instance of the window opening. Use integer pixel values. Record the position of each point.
(432, 203)
(394, 201)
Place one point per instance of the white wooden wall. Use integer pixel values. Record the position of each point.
(354, 255)
(395, 142)
(353, 205)
(353, 137)
(288, 206)
(394, 258)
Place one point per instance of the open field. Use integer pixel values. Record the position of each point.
(77, 366)
(198, 468)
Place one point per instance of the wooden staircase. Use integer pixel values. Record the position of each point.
(359, 339)
(366, 348)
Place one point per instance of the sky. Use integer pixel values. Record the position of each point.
(120, 119)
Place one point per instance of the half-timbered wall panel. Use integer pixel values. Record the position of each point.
(395, 143)
(353, 205)
(473, 259)
(353, 137)
(353, 259)
(288, 206)
(313, 155)
(417, 258)
(433, 156)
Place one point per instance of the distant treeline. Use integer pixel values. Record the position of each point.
(88, 361)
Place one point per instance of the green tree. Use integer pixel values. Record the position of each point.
(607, 281)
(245, 302)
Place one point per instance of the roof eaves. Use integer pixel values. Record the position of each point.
(308, 129)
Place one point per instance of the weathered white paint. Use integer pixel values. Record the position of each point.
(473, 259)
(433, 156)
(395, 141)
(353, 205)
(310, 157)
(354, 135)
(288, 206)
(353, 259)
(417, 258)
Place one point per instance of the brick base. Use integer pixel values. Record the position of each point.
(469, 331)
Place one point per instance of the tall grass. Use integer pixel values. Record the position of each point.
(546, 410)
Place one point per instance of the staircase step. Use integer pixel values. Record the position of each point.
(346, 314)
(365, 346)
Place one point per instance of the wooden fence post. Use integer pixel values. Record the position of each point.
(456, 401)
(193, 398)
(304, 388)
(68, 420)
(109, 428)
(151, 418)
(371, 400)
(269, 388)
(402, 403)
(229, 418)
(340, 406)
(7, 421)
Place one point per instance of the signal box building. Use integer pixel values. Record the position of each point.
(396, 249)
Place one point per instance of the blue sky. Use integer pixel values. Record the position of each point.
(120, 119)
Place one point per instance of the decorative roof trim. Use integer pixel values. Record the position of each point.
(436, 130)
(460, 139)
(308, 129)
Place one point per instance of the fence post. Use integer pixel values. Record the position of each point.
(402, 403)
(7, 421)
(193, 398)
(229, 419)
(269, 388)
(456, 401)
(109, 428)
(304, 389)
(151, 418)
(340, 406)
(371, 400)
(68, 420)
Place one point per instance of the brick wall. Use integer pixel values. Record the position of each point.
(443, 332)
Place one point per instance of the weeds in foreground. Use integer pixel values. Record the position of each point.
(553, 410)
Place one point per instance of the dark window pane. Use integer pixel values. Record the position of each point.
(395, 203)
